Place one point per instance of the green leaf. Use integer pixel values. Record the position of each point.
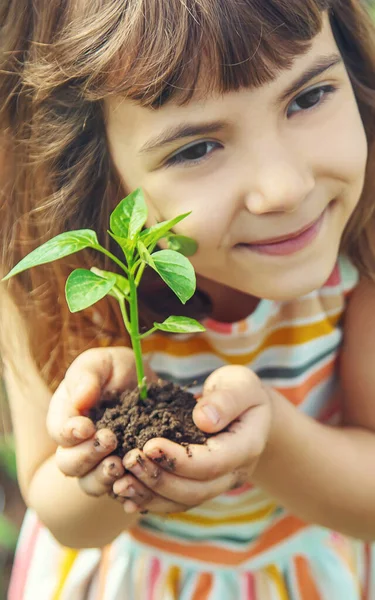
(139, 215)
(180, 325)
(60, 246)
(84, 288)
(160, 230)
(144, 254)
(129, 216)
(183, 244)
(177, 272)
(121, 282)
(125, 244)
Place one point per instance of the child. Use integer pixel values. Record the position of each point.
(259, 118)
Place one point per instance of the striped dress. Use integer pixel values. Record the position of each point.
(241, 545)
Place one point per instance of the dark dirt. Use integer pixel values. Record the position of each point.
(166, 412)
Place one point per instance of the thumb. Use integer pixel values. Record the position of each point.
(99, 372)
(227, 393)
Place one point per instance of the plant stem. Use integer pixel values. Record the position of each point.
(147, 333)
(124, 314)
(135, 338)
(113, 257)
(139, 274)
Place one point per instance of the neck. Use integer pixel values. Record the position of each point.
(229, 305)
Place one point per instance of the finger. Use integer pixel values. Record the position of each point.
(138, 497)
(78, 460)
(187, 492)
(64, 424)
(74, 431)
(93, 374)
(100, 480)
(99, 371)
(225, 452)
(130, 488)
(227, 393)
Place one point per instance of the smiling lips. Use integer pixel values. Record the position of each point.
(287, 244)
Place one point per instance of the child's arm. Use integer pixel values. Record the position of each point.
(74, 518)
(325, 474)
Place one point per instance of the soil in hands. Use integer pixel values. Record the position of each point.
(166, 412)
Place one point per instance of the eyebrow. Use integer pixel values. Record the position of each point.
(186, 130)
(321, 65)
(183, 130)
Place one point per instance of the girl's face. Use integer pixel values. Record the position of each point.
(256, 167)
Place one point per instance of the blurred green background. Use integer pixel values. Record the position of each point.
(12, 507)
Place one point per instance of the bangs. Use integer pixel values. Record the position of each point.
(150, 51)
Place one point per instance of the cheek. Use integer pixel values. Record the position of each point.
(348, 147)
(352, 156)
(207, 223)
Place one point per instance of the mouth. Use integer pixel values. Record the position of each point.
(289, 243)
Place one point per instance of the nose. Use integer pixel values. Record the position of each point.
(278, 182)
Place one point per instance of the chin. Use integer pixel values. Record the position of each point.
(300, 282)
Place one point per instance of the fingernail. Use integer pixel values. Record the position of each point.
(136, 466)
(97, 445)
(103, 442)
(130, 491)
(126, 492)
(78, 435)
(160, 458)
(211, 413)
(113, 470)
(100, 445)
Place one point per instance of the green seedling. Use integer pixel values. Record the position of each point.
(86, 287)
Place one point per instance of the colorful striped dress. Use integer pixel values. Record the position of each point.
(241, 545)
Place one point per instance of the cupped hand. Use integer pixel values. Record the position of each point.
(84, 452)
(165, 477)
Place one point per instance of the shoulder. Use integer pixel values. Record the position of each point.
(357, 364)
(359, 322)
(360, 312)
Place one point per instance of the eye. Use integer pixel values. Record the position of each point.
(193, 154)
(310, 99)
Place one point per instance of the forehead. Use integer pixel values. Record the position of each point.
(138, 120)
